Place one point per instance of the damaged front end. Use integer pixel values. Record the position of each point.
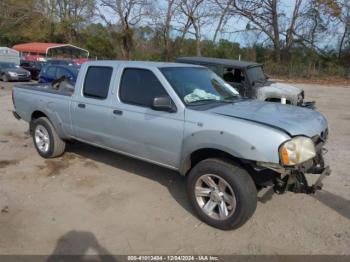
(302, 103)
(293, 178)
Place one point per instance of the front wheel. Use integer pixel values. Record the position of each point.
(46, 140)
(5, 78)
(222, 194)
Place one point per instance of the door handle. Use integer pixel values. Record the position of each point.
(81, 105)
(117, 112)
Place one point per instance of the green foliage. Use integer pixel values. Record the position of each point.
(35, 20)
(96, 39)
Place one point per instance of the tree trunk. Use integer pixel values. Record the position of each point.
(166, 32)
(198, 47)
(221, 20)
(276, 40)
(342, 42)
(198, 38)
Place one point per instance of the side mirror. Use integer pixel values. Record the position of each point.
(163, 103)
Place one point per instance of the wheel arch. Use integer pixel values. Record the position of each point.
(40, 113)
(204, 153)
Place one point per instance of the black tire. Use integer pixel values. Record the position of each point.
(56, 146)
(238, 179)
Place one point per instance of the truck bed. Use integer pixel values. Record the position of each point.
(64, 88)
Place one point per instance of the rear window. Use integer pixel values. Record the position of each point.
(97, 82)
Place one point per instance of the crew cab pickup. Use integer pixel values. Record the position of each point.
(186, 118)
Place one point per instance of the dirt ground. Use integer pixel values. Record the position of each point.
(91, 201)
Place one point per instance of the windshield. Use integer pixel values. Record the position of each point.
(256, 74)
(8, 65)
(198, 85)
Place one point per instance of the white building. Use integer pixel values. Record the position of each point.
(9, 55)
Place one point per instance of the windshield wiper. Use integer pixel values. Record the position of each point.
(259, 81)
(204, 101)
(230, 99)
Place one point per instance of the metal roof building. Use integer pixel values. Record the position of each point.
(51, 50)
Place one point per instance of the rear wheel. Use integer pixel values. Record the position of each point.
(46, 140)
(222, 194)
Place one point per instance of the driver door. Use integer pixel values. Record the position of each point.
(138, 129)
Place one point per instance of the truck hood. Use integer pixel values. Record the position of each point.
(279, 90)
(282, 87)
(291, 119)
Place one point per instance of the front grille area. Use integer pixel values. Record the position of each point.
(320, 139)
(324, 135)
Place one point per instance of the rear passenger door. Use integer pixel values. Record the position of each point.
(139, 130)
(90, 109)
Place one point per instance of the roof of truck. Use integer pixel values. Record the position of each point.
(141, 63)
(220, 61)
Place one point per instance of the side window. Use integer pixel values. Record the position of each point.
(97, 80)
(140, 87)
(51, 71)
(217, 69)
(63, 72)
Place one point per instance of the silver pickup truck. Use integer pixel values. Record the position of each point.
(185, 118)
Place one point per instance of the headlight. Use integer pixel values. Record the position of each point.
(297, 150)
(12, 73)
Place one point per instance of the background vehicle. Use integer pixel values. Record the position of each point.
(135, 107)
(63, 62)
(12, 72)
(34, 67)
(250, 80)
(51, 72)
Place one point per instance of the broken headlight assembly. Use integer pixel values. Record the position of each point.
(297, 150)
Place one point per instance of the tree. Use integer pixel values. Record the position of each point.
(65, 18)
(222, 13)
(164, 18)
(129, 14)
(344, 22)
(265, 15)
(18, 18)
(96, 39)
(197, 14)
